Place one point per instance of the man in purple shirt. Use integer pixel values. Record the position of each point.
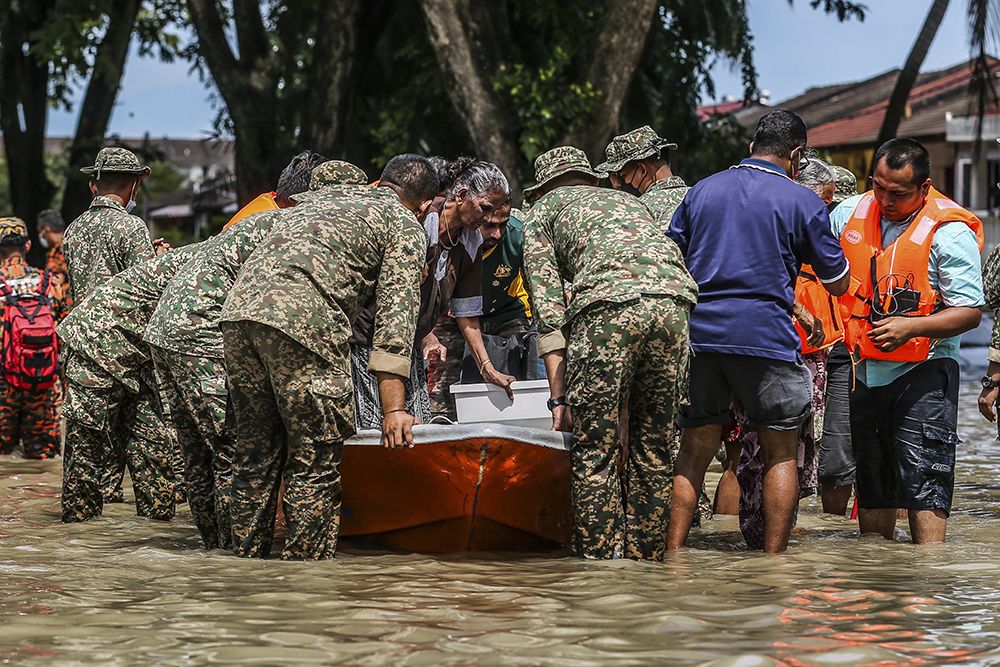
(745, 233)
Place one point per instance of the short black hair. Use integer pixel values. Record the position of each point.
(414, 175)
(14, 245)
(294, 179)
(51, 219)
(115, 181)
(902, 152)
(778, 133)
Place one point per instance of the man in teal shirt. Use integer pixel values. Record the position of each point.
(904, 414)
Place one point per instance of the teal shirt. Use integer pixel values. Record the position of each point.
(955, 271)
(504, 294)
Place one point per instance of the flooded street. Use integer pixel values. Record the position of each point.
(123, 590)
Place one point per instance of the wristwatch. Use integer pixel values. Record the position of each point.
(988, 383)
(553, 403)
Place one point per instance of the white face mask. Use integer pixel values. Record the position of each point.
(42, 241)
(131, 199)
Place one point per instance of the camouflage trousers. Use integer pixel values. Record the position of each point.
(442, 374)
(195, 393)
(293, 411)
(637, 350)
(109, 428)
(30, 417)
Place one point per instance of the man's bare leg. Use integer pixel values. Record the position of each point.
(882, 521)
(835, 498)
(698, 446)
(727, 493)
(927, 526)
(781, 486)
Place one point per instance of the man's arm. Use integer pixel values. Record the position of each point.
(678, 229)
(136, 244)
(469, 326)
(892, 332)
(544, 282)
(822, 250)
(555, 370)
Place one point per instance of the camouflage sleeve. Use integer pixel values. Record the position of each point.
(137, 246)
(397, 298)
(544, 282)
(991, 290)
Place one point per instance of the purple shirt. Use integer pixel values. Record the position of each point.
(745, 233)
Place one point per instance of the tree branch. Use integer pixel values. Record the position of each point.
(214, 48)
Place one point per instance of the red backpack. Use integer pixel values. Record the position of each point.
(30, 347)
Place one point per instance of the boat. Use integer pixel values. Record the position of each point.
(462, 487)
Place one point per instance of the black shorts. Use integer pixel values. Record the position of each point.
(905, 438)
(836, 453)
(775, 394)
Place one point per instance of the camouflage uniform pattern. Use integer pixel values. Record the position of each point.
(196, 395)
(558, 162)
(441, 375)
(55, 263)
(640, 349)
(286, 325)
(275, 381)
(108, 428)
(847, 184)
(30, 416)
(638, 144)
(627, 320)
(334, 172)
(113, 413)
(991, 289)
(186, 319)
(663, 197)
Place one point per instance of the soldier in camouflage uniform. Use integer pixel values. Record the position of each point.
(102, 242)
(622, 331)
(187, 350)
(112, 400)
(28, 416)
(638, 162)
(285, 328)
(991, 290)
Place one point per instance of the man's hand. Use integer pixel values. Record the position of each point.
(813, 325)
(397, 429)
(433, 347)
(562, 418)
(160, 246)
(987, 403)
(892, 332)
(493, 376)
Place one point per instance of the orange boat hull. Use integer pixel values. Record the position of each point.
(490, 492)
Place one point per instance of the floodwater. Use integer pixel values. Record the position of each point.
(123, 590)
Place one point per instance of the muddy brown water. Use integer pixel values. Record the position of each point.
(125, 591)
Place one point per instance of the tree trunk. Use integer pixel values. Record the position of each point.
(908, 76)
(487, 119)
(612, 63)
(98, 104)
(23, 114)
(333, 60)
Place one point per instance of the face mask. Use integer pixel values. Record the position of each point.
(626, 186)
(42, 241)
(131, 200)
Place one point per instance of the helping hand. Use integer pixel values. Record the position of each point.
(160, 246)
(890, 333)
(397, 429)
(493, 376)
(562, 418)
(987, 403)
(433, 347)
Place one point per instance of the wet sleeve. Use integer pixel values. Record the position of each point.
(955, 253)
(397, 298)
(544, 282)
(822, 249)
(678, 231)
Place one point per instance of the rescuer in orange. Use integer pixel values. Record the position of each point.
(916, 286)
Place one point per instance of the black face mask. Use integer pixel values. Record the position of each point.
(629, 188)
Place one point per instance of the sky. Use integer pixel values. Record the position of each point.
(796, 47)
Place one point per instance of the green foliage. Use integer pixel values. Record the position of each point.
(163, 179)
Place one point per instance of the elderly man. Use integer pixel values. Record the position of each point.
(638, 162)
(187, 350)
(285, 328)
(622, 331)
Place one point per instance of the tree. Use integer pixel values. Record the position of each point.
(911, 70)
(282, 84)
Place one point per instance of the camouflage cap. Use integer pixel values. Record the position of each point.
(332, 172)
(12, 227)
(559, 161)
(116, 160)
(634, 145)
(847, 184)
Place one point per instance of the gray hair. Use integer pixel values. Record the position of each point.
(816, 175)
(478, 177)
(51, 219)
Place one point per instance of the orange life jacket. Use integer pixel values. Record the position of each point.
(264, 202)
(810, 293)
(895, 279)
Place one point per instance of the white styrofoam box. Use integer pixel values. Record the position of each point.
(478, 403)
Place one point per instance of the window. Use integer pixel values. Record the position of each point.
(992, 178)
(965, 183)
